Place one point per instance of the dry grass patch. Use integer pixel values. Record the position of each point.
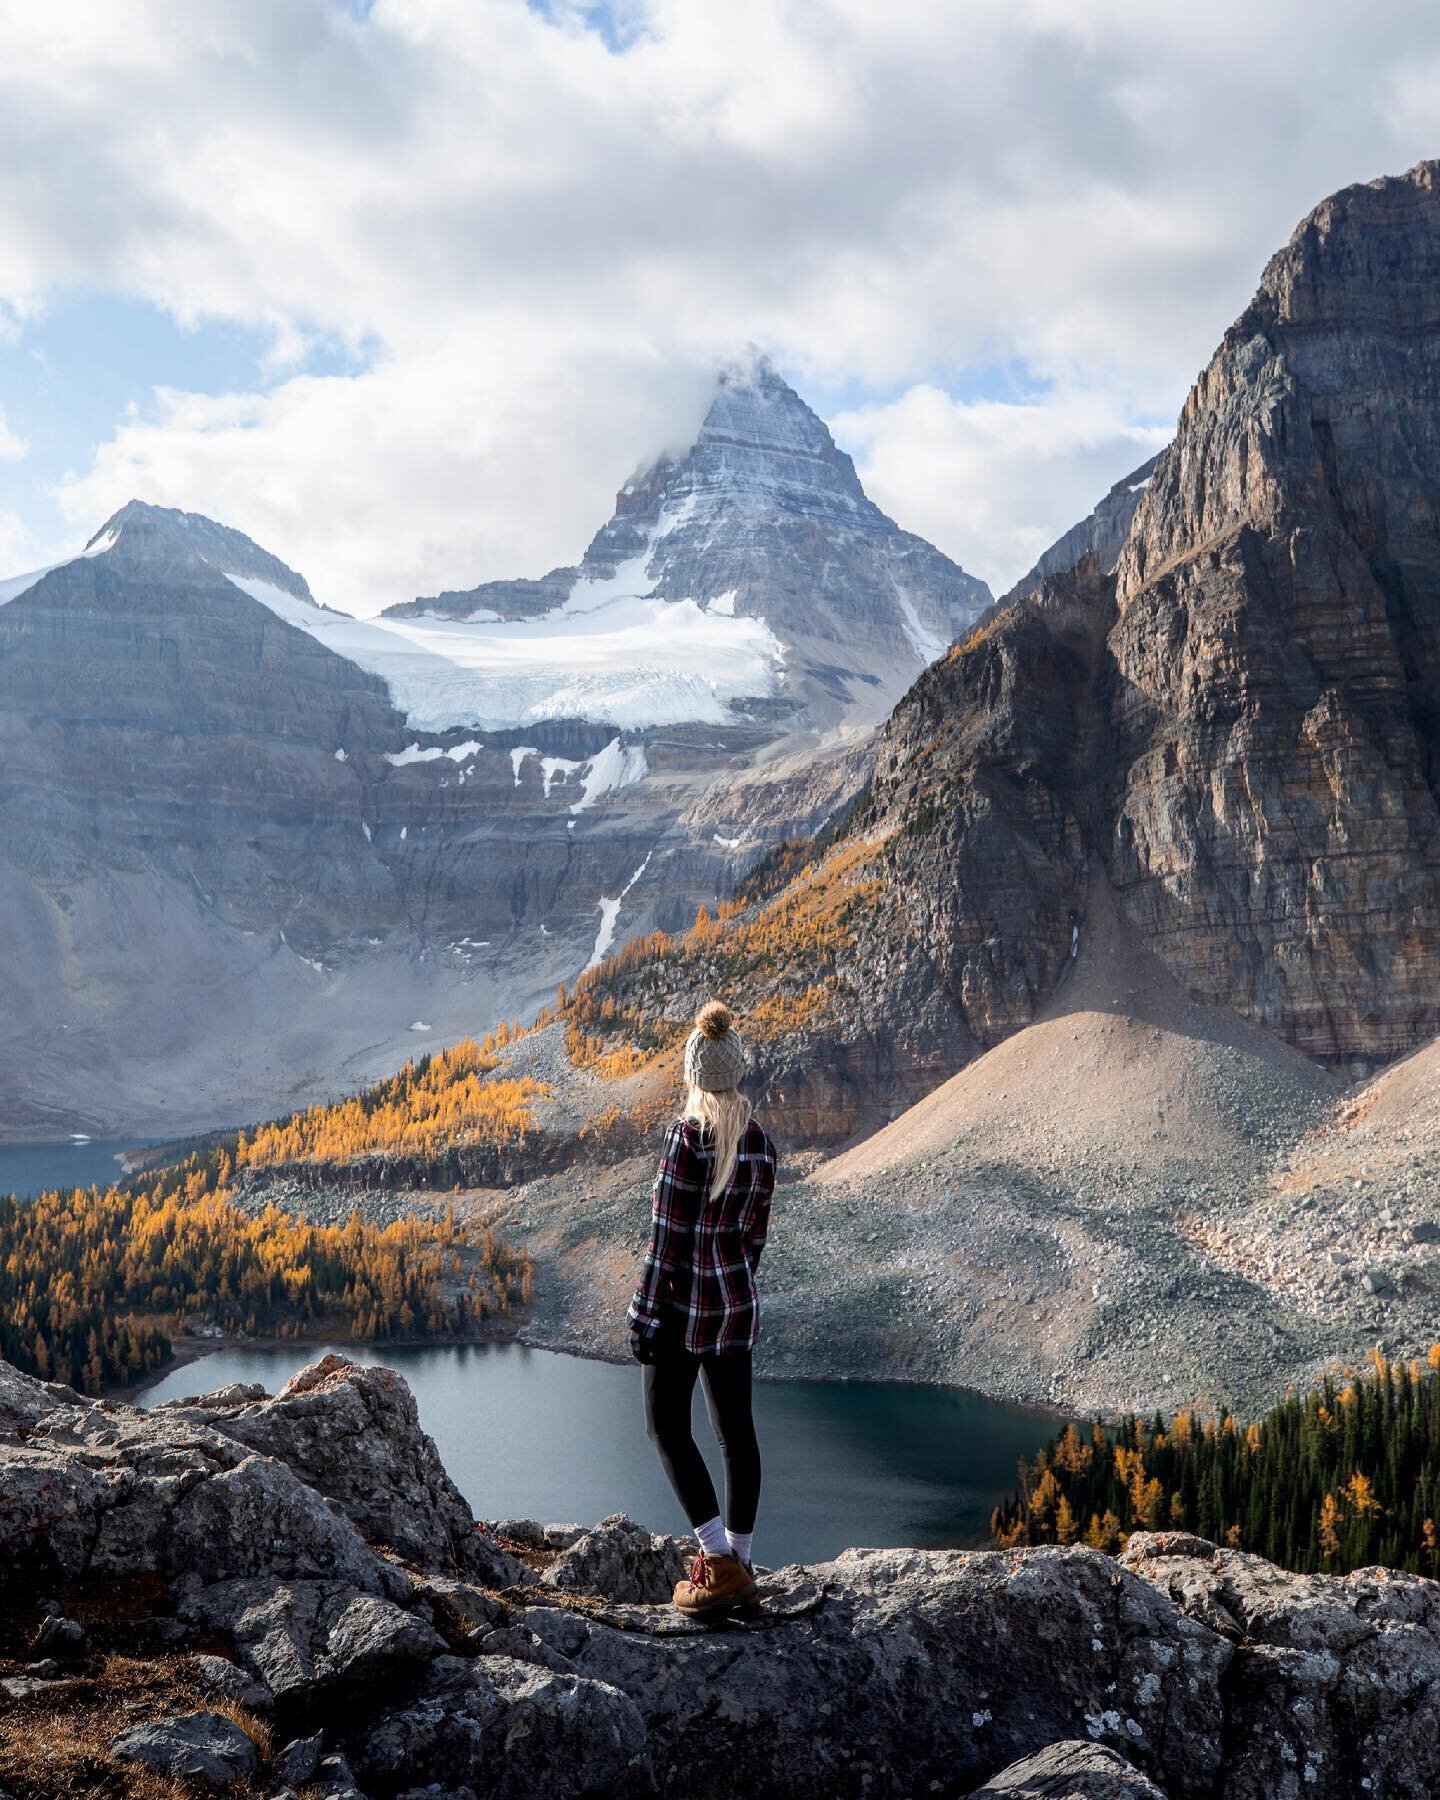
(56, 1746)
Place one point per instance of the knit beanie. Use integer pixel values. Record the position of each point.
(714, 1054)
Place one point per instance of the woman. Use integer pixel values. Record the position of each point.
(696, 1313)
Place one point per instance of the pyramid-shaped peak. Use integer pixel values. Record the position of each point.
(759, 440)
(165, 535)
(754, 402)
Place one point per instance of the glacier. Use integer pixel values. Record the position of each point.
(608, 654)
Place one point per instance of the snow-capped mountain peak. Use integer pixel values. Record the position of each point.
(762, 519)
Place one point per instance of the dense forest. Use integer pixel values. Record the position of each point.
(1332, 1480)
(93, 1284)
(432, 1103)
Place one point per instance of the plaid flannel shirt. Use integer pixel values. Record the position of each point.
(699, 1269)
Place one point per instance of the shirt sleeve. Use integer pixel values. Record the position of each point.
(758, 1228)
(675, 1201)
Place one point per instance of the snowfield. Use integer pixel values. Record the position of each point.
(607, 654)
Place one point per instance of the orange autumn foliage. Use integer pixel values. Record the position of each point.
(618, 1017)
(440, 1101)
(96, 1282)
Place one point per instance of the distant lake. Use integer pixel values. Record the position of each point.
(30, 1169)
(542, 1435)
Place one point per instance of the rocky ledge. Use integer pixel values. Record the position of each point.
(288, 1596)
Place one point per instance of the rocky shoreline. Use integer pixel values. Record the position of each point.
(275, 1596)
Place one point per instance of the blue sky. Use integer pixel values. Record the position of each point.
(92, 358)
(406, 288)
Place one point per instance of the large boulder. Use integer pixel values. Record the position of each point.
(1335, 1687)
(352, 1432)
(25, 1401)
(204, 1746)
(96, 1488)
(222, 1679)
(310, 1640)
(1070, 1771)
(511, 1731)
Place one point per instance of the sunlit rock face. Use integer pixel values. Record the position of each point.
(1276, 742)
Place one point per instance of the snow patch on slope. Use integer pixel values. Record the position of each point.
(926, 644)
(412, 753)
(13, 586)
(618, 765)
(609, 915)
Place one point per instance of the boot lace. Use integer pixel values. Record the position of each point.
(699, 1571)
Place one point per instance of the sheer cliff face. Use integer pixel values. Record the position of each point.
(763, 517)
(1277, 646)
(1263, 741)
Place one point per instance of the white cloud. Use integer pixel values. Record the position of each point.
(17, 545)
(417, 475)
(986, 480)
(532, 229)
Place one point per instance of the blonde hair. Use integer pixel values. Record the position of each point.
(722, 1118)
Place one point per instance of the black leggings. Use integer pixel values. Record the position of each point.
(669, 1388)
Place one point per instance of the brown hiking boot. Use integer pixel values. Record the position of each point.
(716, 1584)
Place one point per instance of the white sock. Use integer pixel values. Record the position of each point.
(712, 1537)
(740, 1542)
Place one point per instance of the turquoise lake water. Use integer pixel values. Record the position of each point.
(560, 1438)
(28, 1169)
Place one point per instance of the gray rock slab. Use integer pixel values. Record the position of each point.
(203, 1746)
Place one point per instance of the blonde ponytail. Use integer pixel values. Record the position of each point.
(722, 1118)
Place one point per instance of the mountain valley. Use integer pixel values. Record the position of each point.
(257, 852)
(1080, 994)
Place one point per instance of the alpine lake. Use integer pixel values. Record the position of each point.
(544, 1435)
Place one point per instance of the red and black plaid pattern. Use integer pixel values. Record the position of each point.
(699, 1270)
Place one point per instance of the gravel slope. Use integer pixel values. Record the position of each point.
(1087, 1216)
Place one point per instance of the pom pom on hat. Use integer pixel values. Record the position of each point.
(714, 1019)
